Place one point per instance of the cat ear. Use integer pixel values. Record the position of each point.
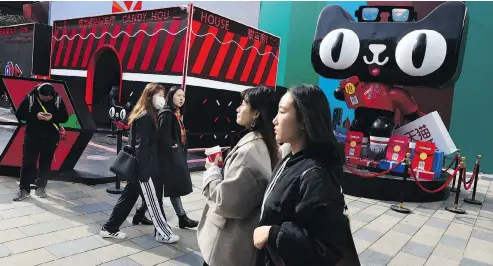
(449, 17)
(331, 17)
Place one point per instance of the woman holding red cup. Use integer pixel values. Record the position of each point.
(234, 192)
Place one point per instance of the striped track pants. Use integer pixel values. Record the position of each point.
(155, 212)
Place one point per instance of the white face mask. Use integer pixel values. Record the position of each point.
(158, 101)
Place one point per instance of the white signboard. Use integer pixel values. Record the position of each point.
(429, 128)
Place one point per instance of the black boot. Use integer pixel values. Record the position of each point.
(185, 222)
(138, 219)
(140, 216)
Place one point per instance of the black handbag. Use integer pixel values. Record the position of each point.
(125, 164)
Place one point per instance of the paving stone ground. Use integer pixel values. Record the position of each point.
(63, 230)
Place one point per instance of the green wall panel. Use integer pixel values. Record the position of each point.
(299, 69)
(275, 19)
(471, 125)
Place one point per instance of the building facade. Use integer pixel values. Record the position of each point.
(465, 107)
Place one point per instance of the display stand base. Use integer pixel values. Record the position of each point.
(453, 189)
(473, 201)
(398, 208)
(455, 209)
(113, 190)
(389, 187)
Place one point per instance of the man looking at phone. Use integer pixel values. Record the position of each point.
(42, 110)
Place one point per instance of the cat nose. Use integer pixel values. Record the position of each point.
(376, 49)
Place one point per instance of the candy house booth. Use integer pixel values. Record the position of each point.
(211, 56)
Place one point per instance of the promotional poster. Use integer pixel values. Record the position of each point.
(25, 50)
(16, 47)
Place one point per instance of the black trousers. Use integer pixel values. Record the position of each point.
(127, 201)
(42, 147)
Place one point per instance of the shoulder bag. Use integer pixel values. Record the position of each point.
(60, 129)
(125, 164)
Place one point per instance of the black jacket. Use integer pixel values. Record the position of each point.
(173, 167)
(306, 214)
(146, 146)
(34, 126)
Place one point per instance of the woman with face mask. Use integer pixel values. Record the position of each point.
(144, 118)
(234, 193)
(302, 220)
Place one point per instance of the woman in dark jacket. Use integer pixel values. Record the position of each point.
(173, 154)
(143, 119)
(302, 215)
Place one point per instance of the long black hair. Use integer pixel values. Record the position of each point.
(313, 115)
(169, 99)
(265, 101)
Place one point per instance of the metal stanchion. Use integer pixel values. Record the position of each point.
(455, 208)
(112, 129)
(400, 207)
(457, 155)
(119, 144)
(473, 200)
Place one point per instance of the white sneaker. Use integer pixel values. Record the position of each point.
(118, 235)
(167, 240)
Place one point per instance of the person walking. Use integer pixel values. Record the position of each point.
(302, 220)
(43, 110)
(235, 192)
(143, 119)
(113, 99)
(173, 154)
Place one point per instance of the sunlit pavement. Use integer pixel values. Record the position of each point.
(63, 230)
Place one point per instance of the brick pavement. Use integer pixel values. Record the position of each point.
(63, 230)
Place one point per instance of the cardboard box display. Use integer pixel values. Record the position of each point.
(352, 148)
(368, 163)
(353, 161)
(429, 128)
(423, 156)
(386, 165)
(397, 148)
(425, 175)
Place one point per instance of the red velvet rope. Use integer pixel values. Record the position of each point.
(121, 125)
(375, 174)
(468, 184)
(438, 189)
(456, 158)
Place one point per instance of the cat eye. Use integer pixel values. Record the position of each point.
(339, 49)
(421, 52)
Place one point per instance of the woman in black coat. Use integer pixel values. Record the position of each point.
(302, 219)
(143, 119)
(173, 154)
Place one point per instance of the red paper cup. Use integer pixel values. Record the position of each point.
(214, 152)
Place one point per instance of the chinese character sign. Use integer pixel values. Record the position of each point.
(429, 128)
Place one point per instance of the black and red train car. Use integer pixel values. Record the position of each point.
(211, 56)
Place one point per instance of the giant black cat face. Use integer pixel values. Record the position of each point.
(424, 53)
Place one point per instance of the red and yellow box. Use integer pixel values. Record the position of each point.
(353, 92)
(425, 175)
(423, 156)
(397, 148)
(352, 148)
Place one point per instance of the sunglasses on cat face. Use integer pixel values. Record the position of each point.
(388, 13)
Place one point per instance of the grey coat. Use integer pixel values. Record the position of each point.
(232, 211)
